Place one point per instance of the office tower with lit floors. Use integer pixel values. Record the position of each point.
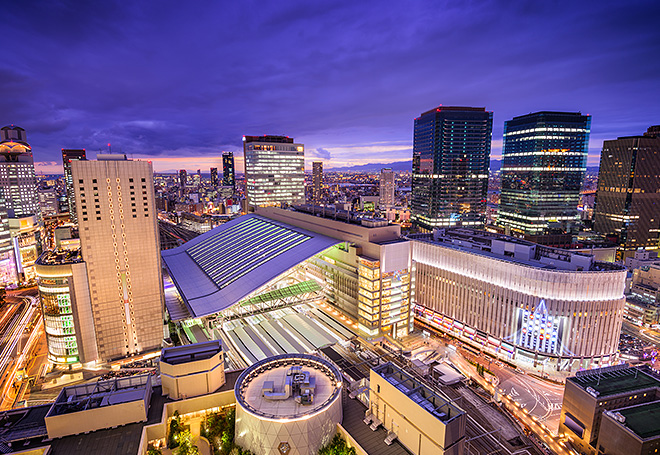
(628, 197)
(69, 155)
(544, 161)
(386, 188)
(451, 158)
(19, 186)
(317, 181)
(17, 177)
(120, 245)
(214, 177)
(228, 170)
(274, 170)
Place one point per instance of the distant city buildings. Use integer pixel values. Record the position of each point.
(386, 188)
(544, 161)
(228, 170)
(67, 156)
(274, 170)
(119, 239)
(317, 181)
(451, 158)
(628, 198)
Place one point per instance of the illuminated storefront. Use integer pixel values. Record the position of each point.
(66, 307)
(518, 300)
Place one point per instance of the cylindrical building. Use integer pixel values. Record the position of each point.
(288, 404)
(66, 307)
(538, 306)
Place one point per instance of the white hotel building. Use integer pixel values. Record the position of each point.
(525, 303)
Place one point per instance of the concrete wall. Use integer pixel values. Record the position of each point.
(191, 379)
(421, 432)
(617, 440)
(96, 419)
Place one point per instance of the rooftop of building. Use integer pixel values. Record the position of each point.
(426, 398)
(101, 394)
(269, 138)
(345, 216)
(442, 108)
(548, 116)
(513, 249)
(191, 352)
(608, 381)
(228, 263)
(373, 442)
(643, 419)
(271, 387)
(25, 428)
(60, 257)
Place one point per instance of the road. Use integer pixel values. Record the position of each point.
(647, 335)
(482, 437)
(22, 329)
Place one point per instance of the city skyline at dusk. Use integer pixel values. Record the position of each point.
(180, 85)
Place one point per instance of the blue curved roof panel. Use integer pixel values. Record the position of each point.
(221, 267)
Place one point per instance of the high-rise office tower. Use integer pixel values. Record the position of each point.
(120, 245)
(48, 202)
(183, 181)
(386, 188)
(628, 196)
(544, 161)
(451, 158)
(274, 170)
(228, 171)
(214, 177)
(67, 156)
(197, 178)
(317, 181)
(17, 177)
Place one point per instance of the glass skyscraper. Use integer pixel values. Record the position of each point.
(274, 170)
(544, 164)
(628, 197)
(228, 170)
(214, 177)
(451, 157)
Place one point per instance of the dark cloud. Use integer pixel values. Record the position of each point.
(158, 79)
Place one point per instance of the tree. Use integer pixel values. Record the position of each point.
(186, 447)
(337, 446)
(175, 428)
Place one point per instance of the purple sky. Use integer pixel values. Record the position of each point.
(179, 82)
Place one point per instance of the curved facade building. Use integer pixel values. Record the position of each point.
(535, 305)
(288, 404)
(66, 307)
